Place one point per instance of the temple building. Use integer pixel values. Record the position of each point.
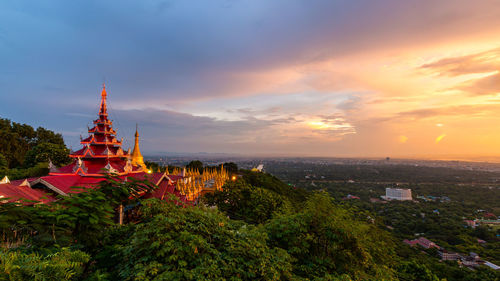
(102, 154)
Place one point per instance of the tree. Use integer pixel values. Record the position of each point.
(186, 243)
(242, 201)
(4, 165)
(195, 165)
(324, 240)
(43, 152)
(270, 182)
(44, 135)
(80, 217)
(411, 270)
(64, 264)
(17, 139)
(230, 167)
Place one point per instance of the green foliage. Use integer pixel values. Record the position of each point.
(411, 270)
(62, 265)
(44, 152)
(17, 139)
(270, 182)
(262, 229)
(79, 218)
(325, 240)
(4, 166)
(40, 169)
(469, 190)
(3, 162)
(242, 201)
(195, 165)
(188, 243)
(230, 167)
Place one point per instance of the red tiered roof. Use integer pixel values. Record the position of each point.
(101, 152)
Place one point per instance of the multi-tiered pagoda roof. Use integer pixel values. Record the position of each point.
(102, 152)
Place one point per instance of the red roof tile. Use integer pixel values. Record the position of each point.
(16, 193)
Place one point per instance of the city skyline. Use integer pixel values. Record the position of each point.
(315, 78)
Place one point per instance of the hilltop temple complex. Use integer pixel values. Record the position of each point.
(101, 155)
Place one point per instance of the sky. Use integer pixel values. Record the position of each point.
(416, 78)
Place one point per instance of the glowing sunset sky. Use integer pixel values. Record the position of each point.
(318, 78)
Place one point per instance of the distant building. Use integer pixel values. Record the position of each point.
(469, 261)
(350, 196)
(489, 222)
(448, 256)
(426, 243)
(490, 215)
(471, 223)
(423, 242)
(410, 242)
(397, 194)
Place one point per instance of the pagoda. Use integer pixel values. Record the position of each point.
(102, 152)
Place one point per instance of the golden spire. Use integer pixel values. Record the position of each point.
(103, 109)
(137, 158)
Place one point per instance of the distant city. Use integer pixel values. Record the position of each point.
(247, 162)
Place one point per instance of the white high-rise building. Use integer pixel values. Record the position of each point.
(398, 194)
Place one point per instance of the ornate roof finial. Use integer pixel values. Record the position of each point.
(103, 110)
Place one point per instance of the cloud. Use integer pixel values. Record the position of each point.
(488, 85)
(231, 76)
(481, 62)
(470, 110)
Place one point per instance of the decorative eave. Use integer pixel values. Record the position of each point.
(103, 122)
(52, 167)
(80, 167)
(5, 180)
(110, 169)
(99, 156)
(107, 152)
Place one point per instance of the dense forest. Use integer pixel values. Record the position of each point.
(440, 206)
(257, 228)
(25, 152)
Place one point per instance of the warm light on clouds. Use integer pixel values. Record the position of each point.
(261, 76)
(440, 138)
(319, 125)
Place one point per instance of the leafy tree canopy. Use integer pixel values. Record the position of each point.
(195, 165)
(241, 201)
(43, 152)
(17, 139)
(190, 243)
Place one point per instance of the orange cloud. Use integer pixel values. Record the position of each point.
(441, 137)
